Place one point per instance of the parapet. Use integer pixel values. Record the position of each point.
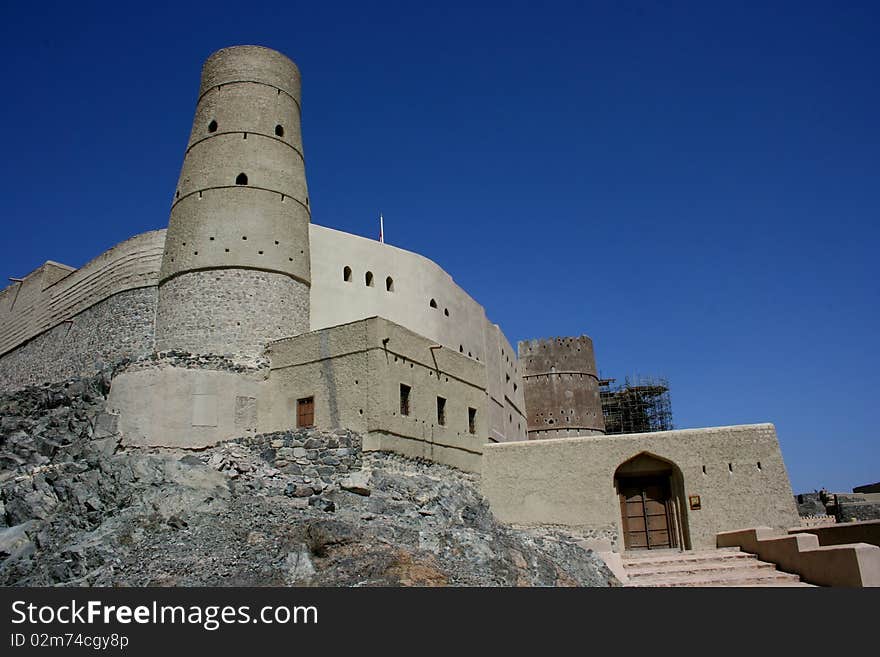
(554, 355)
(251, 63)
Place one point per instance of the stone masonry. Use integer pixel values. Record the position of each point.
(120, 326)
(230, 311)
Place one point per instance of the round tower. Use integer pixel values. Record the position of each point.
(235, 272)
(561, 387)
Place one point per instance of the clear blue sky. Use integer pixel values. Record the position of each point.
(694, 185)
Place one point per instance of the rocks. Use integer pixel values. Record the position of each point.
(356, 482)
(15, 540)
(325, 534)
(295, 490)
(322, 504)
(299, 564)
(81, 510)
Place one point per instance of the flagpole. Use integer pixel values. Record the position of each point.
(381, 228)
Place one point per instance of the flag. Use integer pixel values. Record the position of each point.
(381, 228)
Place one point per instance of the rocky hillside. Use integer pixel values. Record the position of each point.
(293, 508)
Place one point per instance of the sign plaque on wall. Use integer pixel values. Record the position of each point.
(694, 501)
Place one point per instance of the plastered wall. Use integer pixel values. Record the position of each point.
(166, 406)
(570, 481)
(457, 322)
(354, 373)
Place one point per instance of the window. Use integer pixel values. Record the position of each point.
(368, 279)
(212, 126)
(472, 420)
(446, 311)
(346, 274)
(389, 284)
(433, 303)
(404, 399)
(241, 179)
(305, 412)
(441, 411)
(279, 131)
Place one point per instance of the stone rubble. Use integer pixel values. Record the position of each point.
(301, 507)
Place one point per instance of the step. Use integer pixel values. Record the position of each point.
(700, 568)
(687, 557)
(738, 579)
(703, 568)
(779, 585)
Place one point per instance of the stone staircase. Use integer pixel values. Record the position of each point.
(721, 567)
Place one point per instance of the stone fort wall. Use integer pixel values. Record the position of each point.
(230, 311)
(58, 321)
(561, 388)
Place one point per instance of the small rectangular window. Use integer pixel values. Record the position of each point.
(404, 399)
(441, 411)
(305, 412)
(472, 420)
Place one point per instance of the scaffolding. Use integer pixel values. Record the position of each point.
(638, 405)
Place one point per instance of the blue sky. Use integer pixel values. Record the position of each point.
(694, 185)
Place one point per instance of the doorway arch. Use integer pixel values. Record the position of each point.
(651, 493)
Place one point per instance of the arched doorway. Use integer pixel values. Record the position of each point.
(651, 491)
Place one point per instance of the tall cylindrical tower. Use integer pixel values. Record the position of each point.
(235, 272)
(561, 387)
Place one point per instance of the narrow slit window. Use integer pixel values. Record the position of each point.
(472, 420)
(433, 303)
(346, 274)
(441, 411)
(389, 284)
(241, 179)
(404, 398)
(368, 279)
(279, 130)
(212, 126)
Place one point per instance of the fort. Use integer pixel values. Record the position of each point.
(245, 318)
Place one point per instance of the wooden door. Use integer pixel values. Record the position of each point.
(645, 505)
(305, 412)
